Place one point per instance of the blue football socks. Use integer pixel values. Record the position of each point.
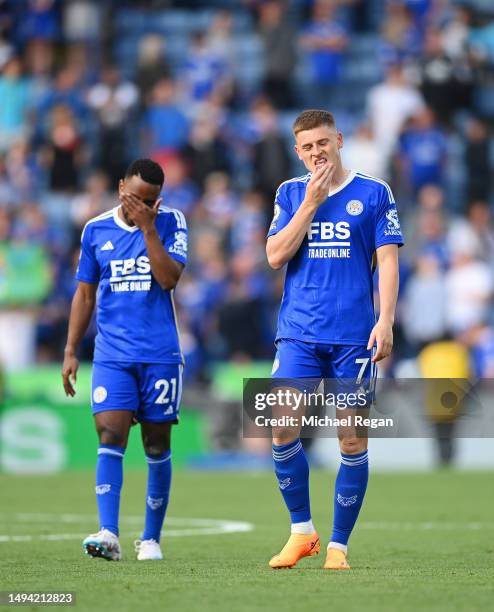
(350, 487)
(109, 477)
(158, 492)
(292, 470)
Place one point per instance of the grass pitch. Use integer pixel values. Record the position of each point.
(423, 542)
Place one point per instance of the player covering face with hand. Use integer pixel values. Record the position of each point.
(327, 227)
(131, 260)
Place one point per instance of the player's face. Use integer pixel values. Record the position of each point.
(147, 193)
(319, 146)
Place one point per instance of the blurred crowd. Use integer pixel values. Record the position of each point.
(210, 89)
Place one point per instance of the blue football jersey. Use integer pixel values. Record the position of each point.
(328, 296)
(135, 316)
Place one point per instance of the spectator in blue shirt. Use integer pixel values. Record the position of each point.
(165, 125)
(65, 92)
(324, 41)
(204, 71)
(422, 152)
(480, 340)
(14, 94)
(40, 19)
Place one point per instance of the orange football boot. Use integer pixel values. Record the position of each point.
(336, 560)
(298, 546)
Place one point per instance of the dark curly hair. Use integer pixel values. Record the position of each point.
(148, 170)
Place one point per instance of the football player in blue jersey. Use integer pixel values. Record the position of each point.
(130, 262)
(328, 226)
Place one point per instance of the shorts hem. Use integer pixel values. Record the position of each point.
(96, 410)
(110, 361)
(174, 421)
(324, 341)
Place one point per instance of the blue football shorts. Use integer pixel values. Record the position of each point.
(348, 367)
(151, 390)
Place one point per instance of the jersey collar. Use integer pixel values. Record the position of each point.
(347, 181)
(121, 223)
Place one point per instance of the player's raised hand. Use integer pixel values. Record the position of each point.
(318, 186)
(141, 214)
(69, 373)
(381, 336)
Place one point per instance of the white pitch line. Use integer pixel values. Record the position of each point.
(49, 518)
(57, 537)
(46, 537)
(192, 526)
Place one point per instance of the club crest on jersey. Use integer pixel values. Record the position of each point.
(393, 228)
(354, 207)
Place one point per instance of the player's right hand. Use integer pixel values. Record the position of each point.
(318, 186)
(69, 374)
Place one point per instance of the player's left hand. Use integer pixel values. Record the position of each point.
(143, 216)
(381, 336)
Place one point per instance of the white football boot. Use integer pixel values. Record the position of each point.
(148, 550)
(103, 544)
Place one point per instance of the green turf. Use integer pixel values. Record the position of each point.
(426, 542)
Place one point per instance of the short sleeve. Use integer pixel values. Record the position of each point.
(388, 228)
(176, 240)
(88, 270)
(282, 211)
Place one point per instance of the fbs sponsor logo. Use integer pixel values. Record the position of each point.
(346, 501)
(327, 230)
(102, 489)
(130, 274)
(285, 483)
(125, 267)
(329, 240)
(99, 395)
(354, 207)
(154, 502)
(393, 227)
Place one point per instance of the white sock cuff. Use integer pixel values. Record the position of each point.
(287, 454)
(338, 546)
(358, 459)
(305, 527)
(110, 451)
